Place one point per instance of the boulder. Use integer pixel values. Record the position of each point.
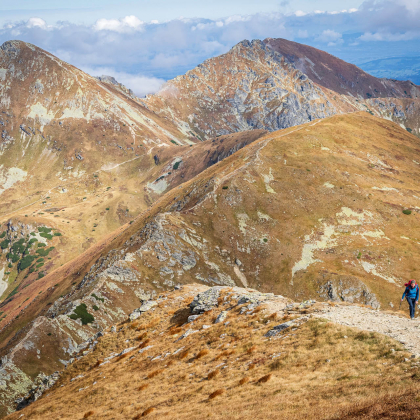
(206, 301)
(146, 306)
(221, 317)
(293, 323)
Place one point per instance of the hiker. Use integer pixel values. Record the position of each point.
(411, 293)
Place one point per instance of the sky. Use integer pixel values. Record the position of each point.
(142, 43)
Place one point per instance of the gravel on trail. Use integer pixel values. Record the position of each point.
(400, 328)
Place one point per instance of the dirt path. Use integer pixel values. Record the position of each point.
(402, 329)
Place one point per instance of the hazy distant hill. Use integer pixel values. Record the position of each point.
(400, 68)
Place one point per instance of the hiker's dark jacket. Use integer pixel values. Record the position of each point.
(412, 293)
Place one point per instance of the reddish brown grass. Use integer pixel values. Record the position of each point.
(123, 356)
(144, 344)
(98, 362)
(175, 330)
(88, 414)
(134, 325)
(154, 373)
(202, 353)
(244, 381)
(142, 387)
(216, 393)
(148, 411)
(184, 354)
(265, 378)
(142, 336)
(213, 374)
(224, 353)
(251, 366)
(251, 349)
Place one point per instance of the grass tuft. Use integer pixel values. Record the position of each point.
(265, 378)
(244, 381)
(88, 414)
(154, 373)
(184, 354)
(216, 393)
(213, 374)
(144, 344)
(202, 353)
(142, 387)
(141, 336)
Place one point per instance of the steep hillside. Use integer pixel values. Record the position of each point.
(249, 87)
(76, 157)
(74, 153)
(339, 76)
(228, 353)
(274, 84)
(327, 210)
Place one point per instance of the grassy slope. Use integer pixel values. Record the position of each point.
(353, 152)
(301, 199)
(361, 368)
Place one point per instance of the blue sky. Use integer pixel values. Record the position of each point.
(144, 42)
(82, 11)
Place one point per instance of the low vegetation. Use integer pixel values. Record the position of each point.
(227, 371)
(81, 312)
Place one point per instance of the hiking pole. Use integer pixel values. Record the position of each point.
(400, 305)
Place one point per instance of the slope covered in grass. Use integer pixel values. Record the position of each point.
(163, 366)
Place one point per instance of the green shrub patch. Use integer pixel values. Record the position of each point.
(25, 262)
(81, 313)
(97, 297)
(44, 252)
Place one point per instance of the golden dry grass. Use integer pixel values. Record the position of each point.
(290, 373)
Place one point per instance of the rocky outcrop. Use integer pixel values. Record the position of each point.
(146, 306)
(41, 384)
(348, 290)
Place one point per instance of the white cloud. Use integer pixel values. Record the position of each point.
(386, 36)
(36, 22)
(330, 37)
(129, 46)
(141, 85)
(125, 24)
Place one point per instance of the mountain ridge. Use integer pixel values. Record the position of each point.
(109, 200)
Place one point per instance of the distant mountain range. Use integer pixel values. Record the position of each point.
(400, 68)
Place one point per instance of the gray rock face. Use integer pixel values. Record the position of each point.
(146, 306)
(221, 317)
(186, 334)
(205, 301)
(348, 290)
(42, 383)
(192, 318)
(254, 298)
(279, 328)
